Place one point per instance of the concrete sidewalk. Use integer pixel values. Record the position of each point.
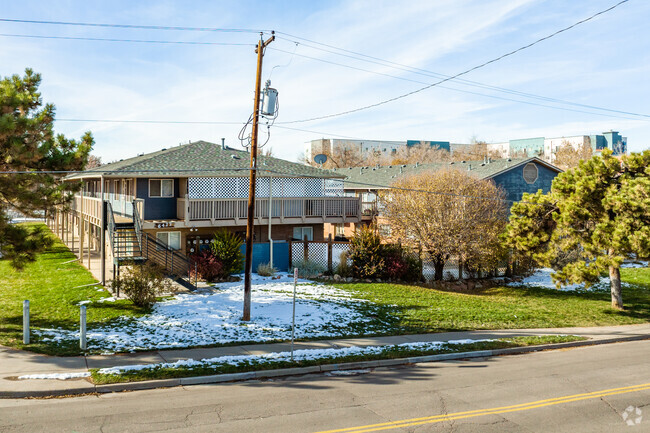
(14, 363)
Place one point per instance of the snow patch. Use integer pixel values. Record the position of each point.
(58, 376)
(214, 317)
(542, 278)
(298, 355)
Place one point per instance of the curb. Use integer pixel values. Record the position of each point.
(297, 371)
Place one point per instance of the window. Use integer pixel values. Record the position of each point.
(171, 239)
(530, 173)
(301, 232)
(161, 187)
(340, 230)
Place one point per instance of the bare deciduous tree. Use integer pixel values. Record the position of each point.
(568, 156)
(448, 213)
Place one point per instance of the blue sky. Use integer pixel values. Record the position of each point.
(604, 62)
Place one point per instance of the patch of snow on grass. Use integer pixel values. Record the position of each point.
(639, 264)
(58, 376)
(298, 355)
(542, 278)
(214, 317)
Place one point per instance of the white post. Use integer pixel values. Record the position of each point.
(270, 218)
(293, 317)
(82, 328)
(25, 322)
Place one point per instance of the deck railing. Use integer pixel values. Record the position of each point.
(282, 207)
(90, 207)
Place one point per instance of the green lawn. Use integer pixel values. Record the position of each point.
(415, 309)
(49, 285)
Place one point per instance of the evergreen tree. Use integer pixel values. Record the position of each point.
(598, 211)
(28, 143)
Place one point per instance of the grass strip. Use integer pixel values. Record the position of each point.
(253, 364)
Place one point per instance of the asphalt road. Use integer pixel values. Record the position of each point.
(577, 390)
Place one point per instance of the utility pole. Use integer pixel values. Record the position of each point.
(253, 172)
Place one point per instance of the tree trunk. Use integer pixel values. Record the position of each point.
(615, 282)
(438, 266)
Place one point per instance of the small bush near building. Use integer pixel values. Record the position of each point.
(343, 268)
(401, 264)
(373, 259)
(226, 247)
(208, 267)
(266, 270)
(142, 283)
(366, 254)
(308, 268)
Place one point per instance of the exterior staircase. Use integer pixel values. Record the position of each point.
(126, 243)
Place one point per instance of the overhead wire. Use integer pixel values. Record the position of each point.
(411, 69)
(467, 71)
(137, 26)
(462, 90)
(143, 41)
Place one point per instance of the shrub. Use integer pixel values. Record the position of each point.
(366, 253)
(266, 270)
(308, 268)
(208, 267)
(401, 264)
(343, 268)
(226, 246)
(142, 283)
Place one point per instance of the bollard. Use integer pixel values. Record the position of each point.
(25, 322)
(82, 328)
(293, 317)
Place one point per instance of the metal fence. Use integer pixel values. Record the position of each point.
(453, 269)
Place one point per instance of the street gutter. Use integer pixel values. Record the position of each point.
(298, 371)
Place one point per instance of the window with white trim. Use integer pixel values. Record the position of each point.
(301, 232)
(161, 187)
(171, 239)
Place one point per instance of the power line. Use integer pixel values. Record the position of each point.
(197, 122)
(121, 40)
(324, 61)
(356, 56)
(464, 91)
(180, 122)
(136, 26)
(467, 71)
(406, 68)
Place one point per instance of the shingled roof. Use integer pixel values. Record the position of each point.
(202, 159)
(383, 176)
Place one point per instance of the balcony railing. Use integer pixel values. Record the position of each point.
(89, 207)
(282, 207)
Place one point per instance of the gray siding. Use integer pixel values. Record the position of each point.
(515, 185)
(157, 208)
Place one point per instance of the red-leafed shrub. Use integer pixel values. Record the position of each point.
(208, 267)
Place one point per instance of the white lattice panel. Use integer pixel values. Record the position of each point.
(337, 249)
(297, 252)
(333, 188)
(237, 187)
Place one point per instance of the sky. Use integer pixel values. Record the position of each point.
(604, 62)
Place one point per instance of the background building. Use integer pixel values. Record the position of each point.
(546, 148)
(328, 146)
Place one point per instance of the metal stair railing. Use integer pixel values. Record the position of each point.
(110, 225)
(137, 224)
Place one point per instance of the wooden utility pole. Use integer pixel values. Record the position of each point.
(253, 172)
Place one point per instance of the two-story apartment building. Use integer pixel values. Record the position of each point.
(175, 199)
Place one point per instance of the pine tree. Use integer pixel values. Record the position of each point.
(600, 210)
(28, 143)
